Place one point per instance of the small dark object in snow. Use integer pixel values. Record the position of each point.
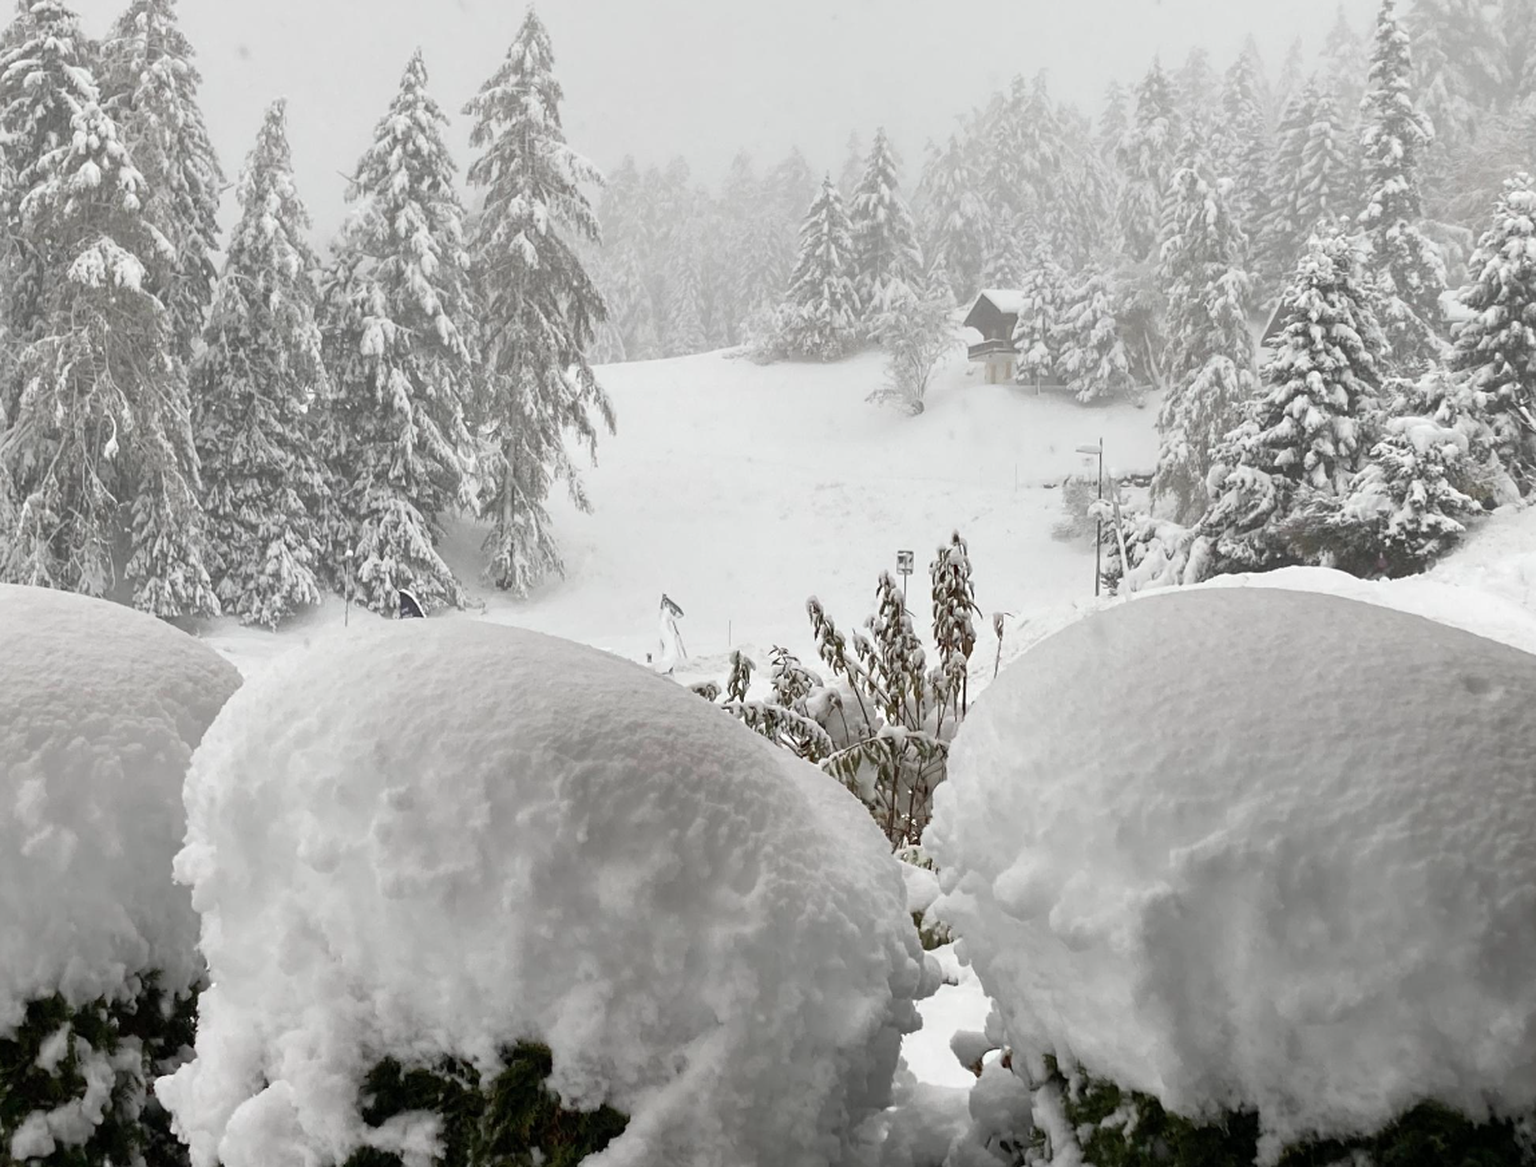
(410, 606)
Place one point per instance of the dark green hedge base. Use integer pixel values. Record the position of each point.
(487, 1124)
(135, 1123)
(1429, 1135)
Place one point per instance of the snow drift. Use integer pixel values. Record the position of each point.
(440, 837)
(100, 709)
(1241, 847)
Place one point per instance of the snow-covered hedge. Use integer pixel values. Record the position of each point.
(433, 841)
(1254, 851)
(100, 710)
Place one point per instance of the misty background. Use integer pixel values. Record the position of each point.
(693, 78)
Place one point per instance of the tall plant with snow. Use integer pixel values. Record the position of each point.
(540, 308)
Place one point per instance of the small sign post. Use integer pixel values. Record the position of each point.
(904, 569)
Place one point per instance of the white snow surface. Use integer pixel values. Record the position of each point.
(100, 709)
(441, 836)
(1253, 846)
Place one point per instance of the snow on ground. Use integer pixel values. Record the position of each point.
(740, 490)
(1305, 882)
(100, 709)
(503, 836)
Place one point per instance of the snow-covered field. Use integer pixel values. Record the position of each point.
(740, 490)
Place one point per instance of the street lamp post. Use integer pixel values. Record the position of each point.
(904, 569)
(1098, 519)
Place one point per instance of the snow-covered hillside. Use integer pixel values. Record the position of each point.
(740, 490)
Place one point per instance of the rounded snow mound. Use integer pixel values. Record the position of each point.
(443, 837)
(100, 710)
(1257, 848)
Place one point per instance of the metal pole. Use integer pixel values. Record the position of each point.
(1098, 529)
(903, 593)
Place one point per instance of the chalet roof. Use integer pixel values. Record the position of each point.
(1006, 300)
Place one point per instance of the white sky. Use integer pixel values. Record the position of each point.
(702, 78)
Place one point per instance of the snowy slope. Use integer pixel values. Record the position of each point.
(740, 490)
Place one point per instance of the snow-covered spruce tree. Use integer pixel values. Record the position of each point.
(256, 386)
(1496, 345)
(47, 75)
(1245, 145)
(1306, 435)
(1407, 507)
(1091, 354)
(1281, 239)
(1210, 360)
(822, 306)
(540, 307)
(150, 88)
(1036, 333)
(1408, 270)
(1311, 181)
(684, 331)
(884, 238)
(953, 218)
(397, 317)
(1146, 156)
(98, 452)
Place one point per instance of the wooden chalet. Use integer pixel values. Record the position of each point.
(995, 315)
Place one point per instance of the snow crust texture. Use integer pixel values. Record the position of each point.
(100, 710)
(1257, 847)
(442, 837)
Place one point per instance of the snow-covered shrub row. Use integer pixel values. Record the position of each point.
(435, 840)
(100, 710)
(1303, 893)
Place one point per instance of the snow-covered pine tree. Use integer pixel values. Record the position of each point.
(255, 394)
(1409, 271)
(150, 88)
(1114, 120)
(98, 454)
(47, 75)
(1292, 76)
(884, 238)
(1146, 157)
(1210, 359)
(1305, 435)
(1196, 86)
(1324, 179)
(540, 306)
(823, 309)
(1036, 335)
(398, 319)
(1282, 235)
(1496, 345)
(1246, 145)
(954, 220)
(1325, 377)
(1406, 504)
(684, 330)
(1345, 68)
(1092, 357)
(853, 167)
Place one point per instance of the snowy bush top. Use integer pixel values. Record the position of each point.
(441, 837)
(100, 710)
(1257, 848)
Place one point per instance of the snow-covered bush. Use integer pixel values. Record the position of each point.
(100, 710)
(434, 841)
(1294, 910)
(916, 330)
